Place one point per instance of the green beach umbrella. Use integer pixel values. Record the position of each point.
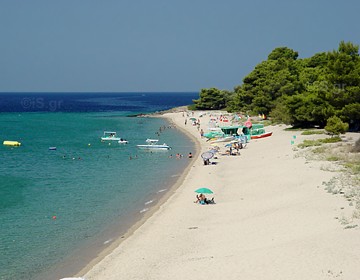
(204, 190)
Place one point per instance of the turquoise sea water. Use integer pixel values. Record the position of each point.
(53, 202)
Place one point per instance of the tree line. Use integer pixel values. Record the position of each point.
(301, 92)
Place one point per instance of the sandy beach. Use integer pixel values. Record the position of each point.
(272, 220)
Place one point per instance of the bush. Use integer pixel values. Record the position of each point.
(336, 126)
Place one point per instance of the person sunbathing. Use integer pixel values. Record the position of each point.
(200, 199)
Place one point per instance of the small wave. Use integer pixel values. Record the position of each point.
(148, 202)
(107, 241)
(162, 190)
(144, 210)
(175, 175)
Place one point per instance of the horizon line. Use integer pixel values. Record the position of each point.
(110, 92)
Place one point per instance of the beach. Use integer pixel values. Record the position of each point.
(272, 220)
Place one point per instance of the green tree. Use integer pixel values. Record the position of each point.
(344, 75)
(283, 52)
(281, 113)
(351, 114)
(303, 92)
(330, 84)
(211, 99)
(270, 80)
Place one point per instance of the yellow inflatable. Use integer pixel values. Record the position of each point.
(11, 143)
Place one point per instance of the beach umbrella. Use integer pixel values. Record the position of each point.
(207, 155)
(204, 190)
(248, 123)
(192, 119)
(214, 151)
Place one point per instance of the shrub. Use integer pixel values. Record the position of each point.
(336, 126)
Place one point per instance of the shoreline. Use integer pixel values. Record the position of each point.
(271, 220)
(173, 186)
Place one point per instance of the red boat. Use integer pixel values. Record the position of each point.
(263, 135)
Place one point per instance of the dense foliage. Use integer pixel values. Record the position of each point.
(212, 99)
(302, 92)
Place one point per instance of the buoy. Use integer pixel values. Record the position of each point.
(11, 143)
(54, 217)
(89, 144)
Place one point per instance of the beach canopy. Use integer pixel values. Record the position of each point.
(204, 190)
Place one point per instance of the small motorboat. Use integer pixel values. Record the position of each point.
(111, 136)
(153, 145)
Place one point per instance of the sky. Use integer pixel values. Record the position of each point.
(158, 45)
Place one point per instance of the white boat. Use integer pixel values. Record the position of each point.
(111, 136)
(153, 145)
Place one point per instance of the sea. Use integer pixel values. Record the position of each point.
(65, 195)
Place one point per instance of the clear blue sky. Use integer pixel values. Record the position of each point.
(159, 45)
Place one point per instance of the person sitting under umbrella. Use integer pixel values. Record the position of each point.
(203, 200)
(200, 199)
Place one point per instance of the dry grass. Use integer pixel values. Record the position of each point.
(356, 148)
(344, 159)
(312, 132)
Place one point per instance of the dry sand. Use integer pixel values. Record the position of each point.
(272, 220)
